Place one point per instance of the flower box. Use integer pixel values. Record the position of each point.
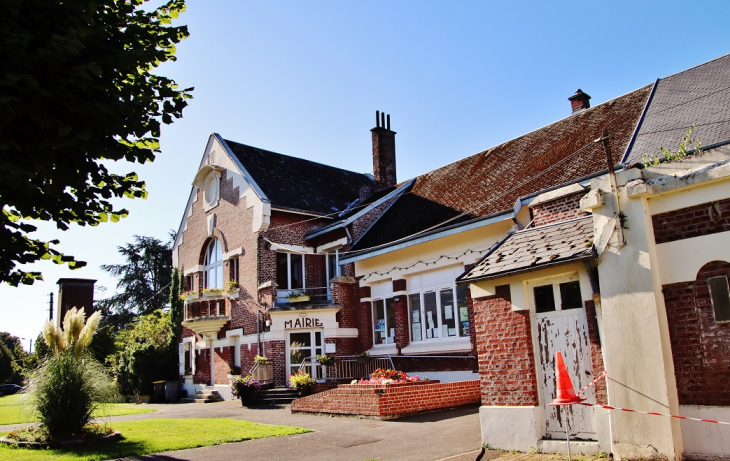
(299, 299)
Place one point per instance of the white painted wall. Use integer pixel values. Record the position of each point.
(706, 438)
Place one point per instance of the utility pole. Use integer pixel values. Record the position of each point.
(50, 307)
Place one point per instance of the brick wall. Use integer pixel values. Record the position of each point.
(505, 353)
(596, 354)
(558, 210)
(446, 362)
(223, 364)
(704, 219)
(700, 346)
(389, 401)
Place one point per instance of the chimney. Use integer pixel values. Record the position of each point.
(78, 293)
(579, 101)
(383, 152)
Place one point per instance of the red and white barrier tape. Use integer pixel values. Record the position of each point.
(601, 376)
(607, 407)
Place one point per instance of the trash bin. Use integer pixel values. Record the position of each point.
(171, 391)
(159, 391)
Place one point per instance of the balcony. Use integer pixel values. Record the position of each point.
(206, 316)
(303, 297)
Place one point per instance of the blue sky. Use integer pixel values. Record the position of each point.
(305, 79)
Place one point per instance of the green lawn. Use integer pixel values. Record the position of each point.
(159, 435)
(12, 412)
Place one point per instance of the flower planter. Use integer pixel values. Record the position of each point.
(214, 295)
(299, 299)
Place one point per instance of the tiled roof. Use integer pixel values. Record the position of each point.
(536, 248)
(699, 96)
(490, 181)
(298, 184)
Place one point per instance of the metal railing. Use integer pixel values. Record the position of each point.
(346, 367)
(204, 309)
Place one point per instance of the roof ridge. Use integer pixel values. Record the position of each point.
(486, 151)
(694, 67)
(293, 157)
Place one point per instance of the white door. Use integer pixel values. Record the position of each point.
(301, 345)
(562, 326)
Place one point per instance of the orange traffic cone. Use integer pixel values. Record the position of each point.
(566, 394)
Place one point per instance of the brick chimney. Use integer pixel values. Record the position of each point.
(77, 293)
(383, 152)
(579, 101)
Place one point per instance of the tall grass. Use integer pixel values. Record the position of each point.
(69, 385)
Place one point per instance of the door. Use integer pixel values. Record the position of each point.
(301, 345)
(561, 326)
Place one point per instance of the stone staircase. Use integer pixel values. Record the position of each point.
(207, 395)
(277, 396)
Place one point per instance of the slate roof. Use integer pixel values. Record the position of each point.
(489, 182)
(298, 184)
(536, 248)
(700, 96)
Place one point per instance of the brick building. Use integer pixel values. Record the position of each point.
(626, 273)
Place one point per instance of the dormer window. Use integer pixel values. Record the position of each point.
(213, 270)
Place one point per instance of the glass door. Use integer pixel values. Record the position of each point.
(301, 345)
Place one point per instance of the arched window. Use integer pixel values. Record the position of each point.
(214, 265)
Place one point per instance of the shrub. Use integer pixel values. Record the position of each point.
(245, 388)
(303, 382)
(69, 385)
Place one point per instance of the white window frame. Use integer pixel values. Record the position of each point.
(555, 281)
(288, 272)
(210, 266)
(387, 327)
(437, 291)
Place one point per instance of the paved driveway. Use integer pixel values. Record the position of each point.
(452, 435)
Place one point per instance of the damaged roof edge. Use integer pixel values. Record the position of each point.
(591, 255)
(630, 145)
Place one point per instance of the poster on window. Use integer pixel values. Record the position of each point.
(417, 332)
(416, 317)
(379, 325)
(448, 312)
(463, 314)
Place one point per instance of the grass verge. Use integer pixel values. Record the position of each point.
(158, 435)
(11, 410)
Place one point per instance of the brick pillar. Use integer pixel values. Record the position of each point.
(365, 320)
(267, 293)
(344, 293)
(401, 314)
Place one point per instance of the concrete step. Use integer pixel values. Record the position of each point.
(190, 400)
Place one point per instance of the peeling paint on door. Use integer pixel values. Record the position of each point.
(565, 331)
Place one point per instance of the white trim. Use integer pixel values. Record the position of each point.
(194, 269)
(462, 344)
(400, 293)
(365, 300)
(233, 253)
(287, 210)
(332, 245)
(285, 248)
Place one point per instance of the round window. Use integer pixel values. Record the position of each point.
(211, 189)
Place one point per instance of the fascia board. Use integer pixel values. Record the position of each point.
(456, 229)
(630, 145)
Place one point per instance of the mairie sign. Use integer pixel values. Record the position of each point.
(304, 322)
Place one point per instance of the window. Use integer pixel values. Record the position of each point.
(438, 314)
(213, 271)
(333, 267)
(188, 283)
(234, 270)
(383, 321)
(290, 271)
(210, 190)
(557, 296)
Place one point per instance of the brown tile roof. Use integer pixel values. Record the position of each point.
(490, 181)
(537, 248)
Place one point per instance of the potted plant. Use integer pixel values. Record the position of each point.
(362, 358)
(304, 383)
(232, 287)
(296, 296)
(326, 360)
(246, 388)
(261, 360)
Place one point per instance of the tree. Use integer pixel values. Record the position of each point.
(77, 92)
(177, 305)
(144, 279)
(12, 357)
